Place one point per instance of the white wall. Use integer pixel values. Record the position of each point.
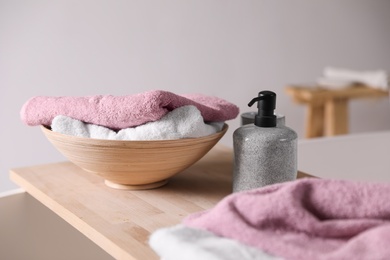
(231, 49)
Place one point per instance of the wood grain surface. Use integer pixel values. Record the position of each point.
(121, 221)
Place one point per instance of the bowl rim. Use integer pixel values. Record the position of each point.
(95, 141)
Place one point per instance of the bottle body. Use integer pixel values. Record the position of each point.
(263, 156)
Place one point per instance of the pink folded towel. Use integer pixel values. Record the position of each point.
(306, 219)
(119, 112)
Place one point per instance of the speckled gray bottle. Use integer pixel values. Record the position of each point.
(264, 152)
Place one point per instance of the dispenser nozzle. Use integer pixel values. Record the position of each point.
(266, 106)
(254, 100)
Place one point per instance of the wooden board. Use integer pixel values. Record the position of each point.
(120, 221)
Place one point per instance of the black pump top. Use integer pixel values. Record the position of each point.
(266, 102)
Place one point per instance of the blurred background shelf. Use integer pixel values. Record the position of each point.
(327, 109)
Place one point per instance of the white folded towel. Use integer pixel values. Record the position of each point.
(182, 122)
(183, 243)
(338, 77)
(335, 83)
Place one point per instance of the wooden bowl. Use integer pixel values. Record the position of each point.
(133, 164)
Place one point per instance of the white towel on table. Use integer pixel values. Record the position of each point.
(182, 122)
(183, 243)
(337, 77)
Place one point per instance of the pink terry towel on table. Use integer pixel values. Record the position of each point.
(119, 112)
(306, 219)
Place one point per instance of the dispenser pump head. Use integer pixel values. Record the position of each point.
(266, 102)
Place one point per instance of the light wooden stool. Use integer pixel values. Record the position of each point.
(327, 109)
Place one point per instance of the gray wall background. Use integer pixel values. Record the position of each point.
(231, 49)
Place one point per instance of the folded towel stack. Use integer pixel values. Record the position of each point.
(119, 112)
(336, 77)
(183, 122)
(303, 219)
(152, 115)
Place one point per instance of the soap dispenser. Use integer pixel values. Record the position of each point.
(264, 152)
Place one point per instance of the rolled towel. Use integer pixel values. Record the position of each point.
(306, 219)
(182, 122)
(183, 243)
(335, 83)
(341, 77)
(119, 112)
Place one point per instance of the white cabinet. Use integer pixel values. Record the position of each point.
(30, 231)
